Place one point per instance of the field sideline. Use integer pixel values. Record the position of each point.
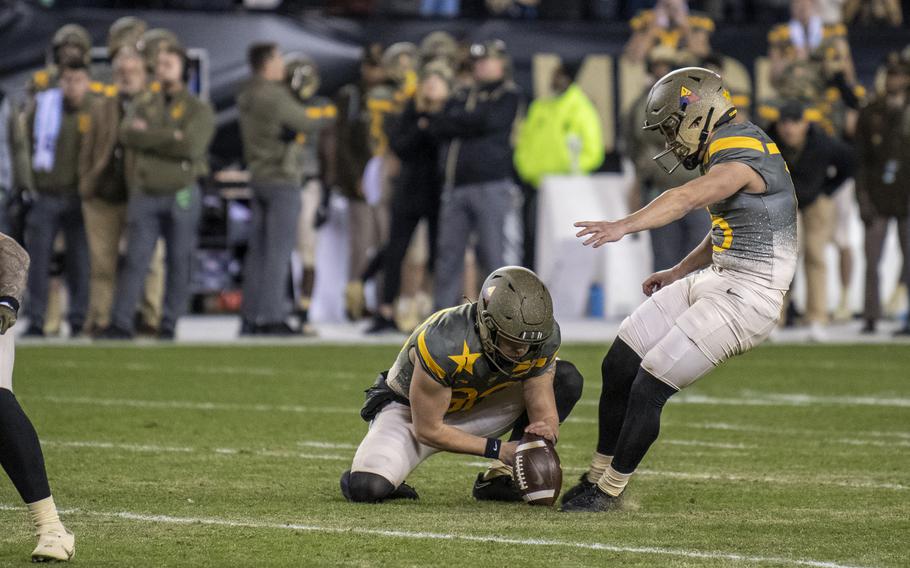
(230, 456)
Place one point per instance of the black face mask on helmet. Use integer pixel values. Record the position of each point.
(490, 335)
(676, 152)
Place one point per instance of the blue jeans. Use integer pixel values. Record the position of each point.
(176, 218)
(447, 8)
(49, 215)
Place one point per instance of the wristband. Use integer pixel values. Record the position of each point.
(492, 449)
(10, 302)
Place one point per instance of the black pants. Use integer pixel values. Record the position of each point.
(405, 218)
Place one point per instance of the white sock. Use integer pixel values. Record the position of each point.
(612, 482)
(599, 464)
(43, 515)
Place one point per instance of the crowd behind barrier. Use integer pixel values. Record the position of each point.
(388, 198)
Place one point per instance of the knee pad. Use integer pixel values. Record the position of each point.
(620, 362)
(365, 487)
(567, 385)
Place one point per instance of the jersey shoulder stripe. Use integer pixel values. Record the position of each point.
(426, 358)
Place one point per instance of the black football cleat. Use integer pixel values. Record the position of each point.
(579, 488)
(404, 491)
(499, 488)
(594, 500)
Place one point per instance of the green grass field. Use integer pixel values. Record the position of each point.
(230, 456)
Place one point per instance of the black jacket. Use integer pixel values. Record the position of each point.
(419, 181)
(883, 150)
(823, 164)
(475, 130)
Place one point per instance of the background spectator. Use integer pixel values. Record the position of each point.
(819, 164)
(103, 187)
(166, 134)
(882, 186)
(370, 216)
(270, 119)
(55, 124)
(360, 134)
(417, 188)
(479, 197)
(561, 135)
(313, 155)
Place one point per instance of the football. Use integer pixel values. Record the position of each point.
(537, 472)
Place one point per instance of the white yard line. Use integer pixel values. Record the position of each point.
(286, 454)
(189, 405)
(144, 448)
(861, 484)
(720, 445)
(781, 399)
(154, 449)
(326, 445)
(414, 535)
(780, 431)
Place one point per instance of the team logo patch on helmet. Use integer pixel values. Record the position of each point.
(687, 97)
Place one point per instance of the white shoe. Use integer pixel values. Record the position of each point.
(817, 333)
(55, 546)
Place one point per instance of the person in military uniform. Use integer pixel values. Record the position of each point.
(882, 185)
(103, 187)
(723, 299)
(54, 124)
(149, 44)
(20, 450)
(126, 31)
(166, 135)
(271, 119)
(799, 38)
(71, 42)
(312, 154)
(465, 377)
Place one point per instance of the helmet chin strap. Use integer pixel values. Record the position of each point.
(693, 160)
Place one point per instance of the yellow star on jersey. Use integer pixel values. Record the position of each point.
(465, 360)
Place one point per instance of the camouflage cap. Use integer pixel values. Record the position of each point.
(72, 34)
(438, 45)
(125, 31)
(153, 40)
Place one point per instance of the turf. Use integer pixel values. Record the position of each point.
(199, 456)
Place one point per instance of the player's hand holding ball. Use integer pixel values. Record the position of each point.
(544, 430)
